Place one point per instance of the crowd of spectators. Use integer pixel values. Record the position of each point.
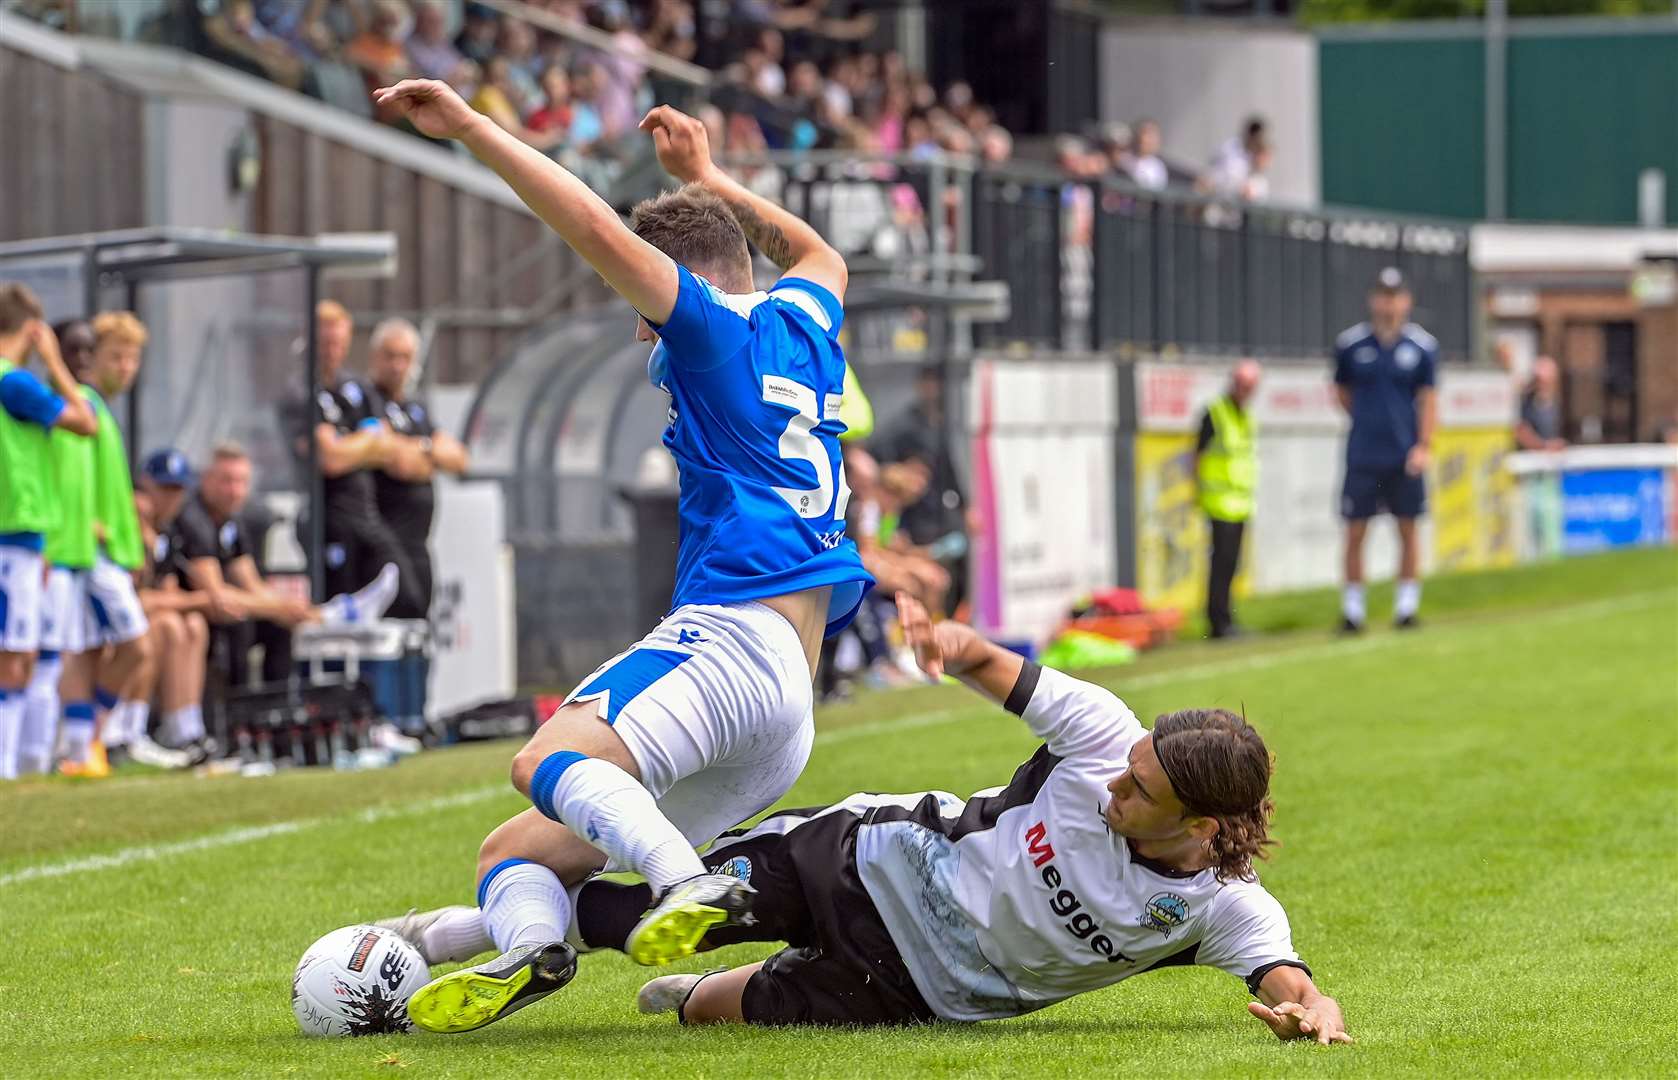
(149, 590)
(1237, 170)
(788, 73)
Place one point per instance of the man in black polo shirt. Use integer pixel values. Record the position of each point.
(216, 555)
(1384, 374)
(403, 488)
(351, 444)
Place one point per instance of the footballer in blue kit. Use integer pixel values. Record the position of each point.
(707, 720)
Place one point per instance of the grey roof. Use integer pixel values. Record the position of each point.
(173, 252)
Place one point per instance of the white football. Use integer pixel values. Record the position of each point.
(357, 981)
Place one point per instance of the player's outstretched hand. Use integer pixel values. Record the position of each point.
(920, 634)
(431, 106)
(684, 148)
(1291, 1020)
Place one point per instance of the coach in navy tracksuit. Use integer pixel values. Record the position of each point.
(1384, 373)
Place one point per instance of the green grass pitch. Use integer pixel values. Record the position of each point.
(1477, 820)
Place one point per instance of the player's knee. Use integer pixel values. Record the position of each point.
(524, 766)
(168, 630)
(197, 630)
(141, 650)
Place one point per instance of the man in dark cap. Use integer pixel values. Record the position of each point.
(1384, 373)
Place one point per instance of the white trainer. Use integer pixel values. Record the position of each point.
(667, 993)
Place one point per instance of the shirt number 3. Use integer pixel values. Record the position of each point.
(799, 442)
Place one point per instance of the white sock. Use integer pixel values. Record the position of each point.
(114, 731)
(366, 604)
(139, 719)
(184, 725)
(76, 733)
(611, 810)
(524, 904)
(11, 731)
(1351, 602)
(40, 717)
(458, 935)
(1407, 599)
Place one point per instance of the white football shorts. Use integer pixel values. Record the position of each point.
(20, 599)
(715, 706)
(114, 605)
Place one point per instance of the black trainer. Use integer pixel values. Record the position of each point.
(1348, 626)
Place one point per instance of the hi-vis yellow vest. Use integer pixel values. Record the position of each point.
(1228, 465)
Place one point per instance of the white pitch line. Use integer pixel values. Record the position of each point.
(914, 721)
(233, 837)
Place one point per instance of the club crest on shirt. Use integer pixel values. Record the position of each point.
(1407, 356)
(1365, 355)
(738, 867)
(1163, 912)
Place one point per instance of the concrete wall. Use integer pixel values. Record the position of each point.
(1201, 82)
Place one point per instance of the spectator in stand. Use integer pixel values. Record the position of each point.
(625, 68)
(239, 39)
(431, 54)
(1540, 423)
(478, 32)
(1539, 427)
(1238, 168)
(517, 46)
(380, 51)
(1144, 166)
(671, 28)
(553, 119)
(996, 145)
(587, 128)
(495, 97)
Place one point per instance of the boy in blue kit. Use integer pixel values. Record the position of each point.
(706, 721)
(29, 410)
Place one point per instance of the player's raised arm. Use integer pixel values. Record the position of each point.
(1071, 716)
(636, 270)
(956, 649)
(1291, 1006)
(789, 242)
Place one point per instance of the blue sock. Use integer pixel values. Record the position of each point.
(107, 700)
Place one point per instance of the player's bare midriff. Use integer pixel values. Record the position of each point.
(807, 612)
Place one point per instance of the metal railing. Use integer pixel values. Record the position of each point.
(1103, 265)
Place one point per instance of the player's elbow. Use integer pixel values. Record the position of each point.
(81, 421)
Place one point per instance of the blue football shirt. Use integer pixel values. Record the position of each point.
(755, 382)
(1384, 381)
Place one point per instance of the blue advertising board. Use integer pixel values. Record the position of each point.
(1611, 508)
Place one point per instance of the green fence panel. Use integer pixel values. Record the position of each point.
(1586, 115)
(1403, 124)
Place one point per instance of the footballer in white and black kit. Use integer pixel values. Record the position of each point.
(1113, 851)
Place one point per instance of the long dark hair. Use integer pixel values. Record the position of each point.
(1220, 768)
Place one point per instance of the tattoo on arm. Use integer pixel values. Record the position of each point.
(766, 235)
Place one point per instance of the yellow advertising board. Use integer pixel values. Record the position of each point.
(1472, 500)
(1172, 538)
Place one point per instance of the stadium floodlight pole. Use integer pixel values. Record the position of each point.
(317, 486)
(1497, 112)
